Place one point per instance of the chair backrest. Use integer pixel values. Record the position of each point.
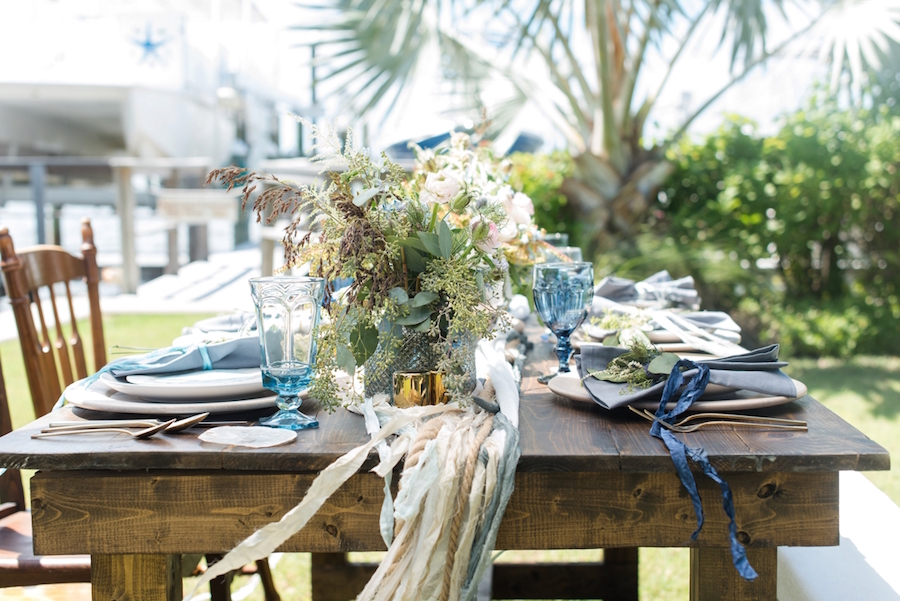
(51, 364)
(12, 493)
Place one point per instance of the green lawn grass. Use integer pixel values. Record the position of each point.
(865, 391)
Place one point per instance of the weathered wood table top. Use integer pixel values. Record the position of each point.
(587, 478)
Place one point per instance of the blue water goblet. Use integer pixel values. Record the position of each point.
(562, 296)
(287, 318)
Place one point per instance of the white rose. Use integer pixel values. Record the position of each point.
(520, 208)
(509, 231)
(440, 187)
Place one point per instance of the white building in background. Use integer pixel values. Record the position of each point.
(149, 78)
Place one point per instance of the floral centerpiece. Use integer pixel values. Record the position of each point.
(472, 161)
(420, 254)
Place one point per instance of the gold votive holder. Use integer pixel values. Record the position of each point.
(439, 392)
(418, 389)
(412, 389)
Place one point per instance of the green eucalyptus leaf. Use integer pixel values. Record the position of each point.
(423, 327)
(345, 359)
(363, 342)
(479, 280)
(399, 295)
(608, 376)
(431, 243)
(412, 243)
(611, 340)
(416, 316)
(365, 196)
(445, 239)
(663, 364)
(414, 261)
(423, 298)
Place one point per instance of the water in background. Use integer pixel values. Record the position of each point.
(151, 240)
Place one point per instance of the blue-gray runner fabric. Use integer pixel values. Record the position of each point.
(756, 371)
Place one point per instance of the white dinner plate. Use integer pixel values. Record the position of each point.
(99, 397)
(192, 386)
(655, 336)
(719, 398)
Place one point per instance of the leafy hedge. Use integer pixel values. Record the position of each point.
(540, 177)
(796, 234)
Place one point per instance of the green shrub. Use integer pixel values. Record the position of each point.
(810, 214)
(540, 177)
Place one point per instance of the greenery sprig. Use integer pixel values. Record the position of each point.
(641, 367)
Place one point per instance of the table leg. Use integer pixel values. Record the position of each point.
(136, 577)
(713, 576)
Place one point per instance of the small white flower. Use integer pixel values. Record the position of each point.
(518, 206)
(509, 231)
(440, 187)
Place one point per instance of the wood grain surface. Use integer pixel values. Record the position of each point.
(207, 512)
(713, 577)
(557, 435)
(136, 577)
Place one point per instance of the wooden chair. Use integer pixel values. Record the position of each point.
(18, 564)
(51, 364)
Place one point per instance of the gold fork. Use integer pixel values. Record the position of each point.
(742, 420)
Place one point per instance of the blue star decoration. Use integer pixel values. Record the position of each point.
(150, 45)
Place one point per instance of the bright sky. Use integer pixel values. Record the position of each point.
(74, 46)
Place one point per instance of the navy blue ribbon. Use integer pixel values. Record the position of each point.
(680, 453)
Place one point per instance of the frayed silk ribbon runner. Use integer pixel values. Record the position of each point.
(680, 453)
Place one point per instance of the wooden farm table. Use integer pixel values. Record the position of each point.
(588, 478)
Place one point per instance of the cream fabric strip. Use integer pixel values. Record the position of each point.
(264, 541)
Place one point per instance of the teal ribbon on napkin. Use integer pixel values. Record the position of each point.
(230, 354)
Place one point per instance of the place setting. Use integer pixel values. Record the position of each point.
(228, 372)
(638, 353)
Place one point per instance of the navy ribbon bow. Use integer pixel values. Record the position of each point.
(680, 453)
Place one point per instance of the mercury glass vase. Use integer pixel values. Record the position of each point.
(287, 316)
(403, 350)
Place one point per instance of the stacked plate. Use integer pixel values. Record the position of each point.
(216, 391)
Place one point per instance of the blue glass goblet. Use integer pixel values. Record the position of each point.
(562, 296)
(287, 317)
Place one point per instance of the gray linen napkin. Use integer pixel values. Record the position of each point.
(711, 321)
(231, 354)
(658, 287)
(757, 371)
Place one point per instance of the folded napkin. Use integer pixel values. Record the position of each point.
(659, 287)
(757, 371)
(711, 321)
(231, 354)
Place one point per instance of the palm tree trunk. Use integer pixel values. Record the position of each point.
(610, 205)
